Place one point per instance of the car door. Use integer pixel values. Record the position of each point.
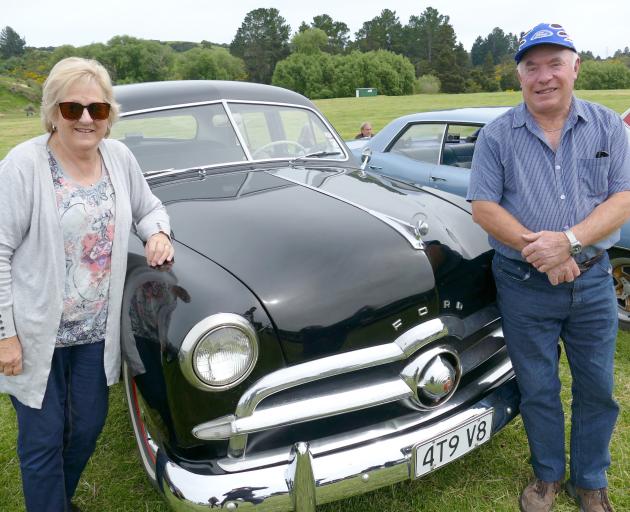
(412, 153)
(453, 173)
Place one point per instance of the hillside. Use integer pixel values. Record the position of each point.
(15, 96)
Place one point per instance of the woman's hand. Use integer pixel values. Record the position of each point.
(159, 250)
(10, 356)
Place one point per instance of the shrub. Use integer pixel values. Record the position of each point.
(426, 84)
(603, 75)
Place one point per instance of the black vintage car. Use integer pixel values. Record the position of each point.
(323, 332)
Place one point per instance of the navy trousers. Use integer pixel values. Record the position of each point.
(56, 441)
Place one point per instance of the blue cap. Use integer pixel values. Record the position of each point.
(543, 33)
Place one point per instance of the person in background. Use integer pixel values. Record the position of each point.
(550, 183)
(67, 203)
(365, 131)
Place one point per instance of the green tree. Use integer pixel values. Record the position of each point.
(584, 56)
(261, 41)
(337, 32)
(448, 72)
(508, 79)
(429, 36)
(321, 75)
(491, 83)
(11, 44)
(383, 32)
(131, 60)
(209, 64)
(310, 74)
(310, 41)
(608, 74)
(500, 45)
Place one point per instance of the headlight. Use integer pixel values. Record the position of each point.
(219, 352)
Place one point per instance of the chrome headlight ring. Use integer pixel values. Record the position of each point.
(206, 343)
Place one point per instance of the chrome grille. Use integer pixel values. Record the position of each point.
(275, 401)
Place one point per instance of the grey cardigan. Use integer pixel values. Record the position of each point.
(32, 258)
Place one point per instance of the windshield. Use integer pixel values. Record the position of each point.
(207, 135)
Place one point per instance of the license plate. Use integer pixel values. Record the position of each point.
(453, 444)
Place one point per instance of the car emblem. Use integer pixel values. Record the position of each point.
(433, 376)
(437, 379)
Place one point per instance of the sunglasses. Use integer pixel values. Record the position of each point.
(72, 111)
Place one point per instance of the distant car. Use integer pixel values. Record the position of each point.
(435, 149)
(323, 331)
(626, 117)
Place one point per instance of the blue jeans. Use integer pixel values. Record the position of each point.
(584, 314)
(56, 441)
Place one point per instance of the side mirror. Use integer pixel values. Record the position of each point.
(366, 155)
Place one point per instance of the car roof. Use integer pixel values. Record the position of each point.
(480, 115)
(469, 115)
(151, 95)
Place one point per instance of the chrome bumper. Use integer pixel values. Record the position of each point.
(305, 480)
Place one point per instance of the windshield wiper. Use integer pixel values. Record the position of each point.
(317, 154)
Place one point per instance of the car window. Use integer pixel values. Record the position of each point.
(421, 142)
(459, 145)
(272, 131)
(180, 138)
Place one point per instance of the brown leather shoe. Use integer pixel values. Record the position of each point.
(539, 496)
(590, 500)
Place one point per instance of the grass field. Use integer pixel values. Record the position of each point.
(487, 480)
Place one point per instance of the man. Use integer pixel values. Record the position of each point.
(550, 184)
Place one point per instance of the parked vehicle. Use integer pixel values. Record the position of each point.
(435, 149)
(323, 332)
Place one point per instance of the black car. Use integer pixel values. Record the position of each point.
(324, 331)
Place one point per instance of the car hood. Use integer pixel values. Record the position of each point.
(332, 276)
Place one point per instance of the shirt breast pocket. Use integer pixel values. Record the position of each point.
(593, 176)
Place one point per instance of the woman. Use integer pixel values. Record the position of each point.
(67, 202)
(365, 132)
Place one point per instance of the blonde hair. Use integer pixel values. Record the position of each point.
(64, 75)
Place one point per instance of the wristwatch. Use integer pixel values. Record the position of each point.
(576, 246)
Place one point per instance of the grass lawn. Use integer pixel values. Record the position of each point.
(487, 480)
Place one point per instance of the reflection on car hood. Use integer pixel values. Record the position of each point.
(447, 217)
(331, 276)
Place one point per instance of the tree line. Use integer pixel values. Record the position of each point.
(321, 59)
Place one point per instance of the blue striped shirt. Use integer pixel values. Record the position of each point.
(545, 190)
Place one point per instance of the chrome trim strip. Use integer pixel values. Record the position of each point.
(239, 135)
(299, 411)
(406, 230)
(148, 465)
(167, 107)
(342, 402)
(337, 474)
(405, 345)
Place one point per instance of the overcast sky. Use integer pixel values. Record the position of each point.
(599, 26)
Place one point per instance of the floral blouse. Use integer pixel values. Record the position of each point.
(87, 221)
